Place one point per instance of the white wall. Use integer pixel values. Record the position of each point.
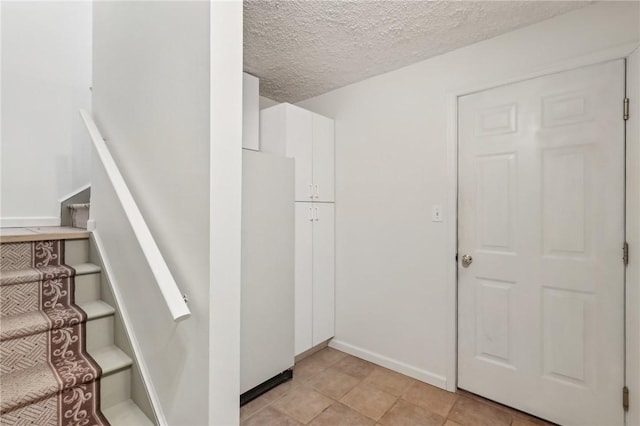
(151, 101)
(267, 102)
(226, 213)
(46, 76)
(391, 168)
(633, 237)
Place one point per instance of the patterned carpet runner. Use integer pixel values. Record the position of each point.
(46, 375)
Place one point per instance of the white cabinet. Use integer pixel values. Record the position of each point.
(250, 112)
(291, 131)
(323, 272)
(303, 305)
(323, 159)
(314, 274)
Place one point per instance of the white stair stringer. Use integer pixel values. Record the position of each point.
(121, 405)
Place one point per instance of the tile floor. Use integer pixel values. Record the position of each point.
(331, 388)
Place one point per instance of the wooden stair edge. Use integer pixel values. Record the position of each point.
(42, 233)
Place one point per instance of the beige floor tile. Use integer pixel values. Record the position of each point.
(280, 390)
(524, 420)
(388, 381)
(355, 367)
(333, 383)
(452, 423)
(339, 414)
(270, 417)
(303, 404)
(329, 355)
(265, 399)
(473, 396)
(469, 412)
(369, 401)
(252, 407)
(434, 399)
(310, 366)
(404, 413)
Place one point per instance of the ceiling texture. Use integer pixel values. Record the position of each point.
(300, 49)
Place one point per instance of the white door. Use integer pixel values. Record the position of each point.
(323, 272)
(323, 158)
(541, 212)
(304, 216)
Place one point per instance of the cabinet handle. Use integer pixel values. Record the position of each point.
(317, 191)
(310, 214)
(311, 191)
(317, 215)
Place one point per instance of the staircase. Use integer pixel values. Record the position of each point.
(26, 396)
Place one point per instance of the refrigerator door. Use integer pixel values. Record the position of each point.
(267, 310)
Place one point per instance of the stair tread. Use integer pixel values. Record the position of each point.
(35, 383)
(37, 379)
(97, 309)
(15, 235)
(86, 268)
(30, 275)
(28, 323)
(126, 413)
(110, 359)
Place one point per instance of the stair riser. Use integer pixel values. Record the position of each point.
(76, 252)
(99, 333)
(87, 288)
(115, 388)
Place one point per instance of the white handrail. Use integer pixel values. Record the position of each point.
(168, 287)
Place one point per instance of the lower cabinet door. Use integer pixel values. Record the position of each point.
(323, 272)
(304, 276)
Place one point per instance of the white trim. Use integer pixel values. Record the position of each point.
(28, 222)
(390, 363)
(128, 327)
(74, 193)
(225, 211)
(610, 54)
(632, 292)
(450, 321)
(166, 283)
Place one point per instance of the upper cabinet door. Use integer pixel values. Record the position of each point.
(323, 159)
(299, 146)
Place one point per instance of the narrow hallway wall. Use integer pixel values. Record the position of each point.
(46, 78)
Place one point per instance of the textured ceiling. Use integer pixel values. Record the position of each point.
(301, 49)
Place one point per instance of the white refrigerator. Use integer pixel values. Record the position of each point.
(267, 309)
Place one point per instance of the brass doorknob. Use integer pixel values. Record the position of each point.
(467, 260)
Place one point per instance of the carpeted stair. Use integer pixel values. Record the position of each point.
(46, 375)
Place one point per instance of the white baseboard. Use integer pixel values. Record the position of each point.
(392, 364)
(28, 222)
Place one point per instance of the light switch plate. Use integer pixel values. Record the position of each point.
(436, 213)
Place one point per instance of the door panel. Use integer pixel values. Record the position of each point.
(323, 158)
(541, 181)
(303, 277)
(323, 272)
(299, 146)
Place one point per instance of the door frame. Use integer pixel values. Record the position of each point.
(451, 320)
